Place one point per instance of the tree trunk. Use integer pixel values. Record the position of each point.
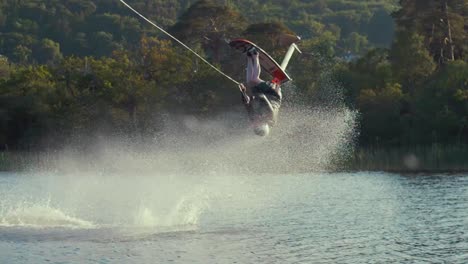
(449, 33)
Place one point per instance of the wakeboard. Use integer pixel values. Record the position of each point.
(266, 61)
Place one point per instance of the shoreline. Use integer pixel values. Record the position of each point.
(412, 172)
(434, 159)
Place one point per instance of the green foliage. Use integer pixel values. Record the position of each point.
(28, 99)
(87, 66)
(412, 62)
(5, 68)
(442, 24)
(356, 43)
(431, 104)
(204, 18)
(267, 36)
(372, 71)
(442, 106)
(98, 27)
(208, 24)
(49, 52)
(380, 28)
(381, 110)
(434, 158)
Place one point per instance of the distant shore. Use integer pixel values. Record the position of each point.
(416, 159)
(450, 159)
(14, 160)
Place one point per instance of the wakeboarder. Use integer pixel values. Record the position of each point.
(262, 99)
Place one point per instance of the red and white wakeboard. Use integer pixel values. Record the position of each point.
(266, 61)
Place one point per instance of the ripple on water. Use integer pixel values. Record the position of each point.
(317, 218)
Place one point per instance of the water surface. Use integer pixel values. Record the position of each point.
(301, 218)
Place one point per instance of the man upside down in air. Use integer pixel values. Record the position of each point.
(262, 99)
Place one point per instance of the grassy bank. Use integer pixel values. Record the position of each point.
(435, 158)
(430, 159)
(20, 160)
(11, 161)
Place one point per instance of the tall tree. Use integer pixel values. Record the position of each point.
(209, 24)
(441, 23)
(412, 63)
(48, 52)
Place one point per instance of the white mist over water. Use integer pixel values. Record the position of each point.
(174, 178)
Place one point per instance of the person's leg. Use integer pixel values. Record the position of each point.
(256, 70)
(249, 71)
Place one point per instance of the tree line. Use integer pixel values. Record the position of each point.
(44, 31)
(415, 92)
(83, 67)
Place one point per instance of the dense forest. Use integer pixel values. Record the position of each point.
(71, 67)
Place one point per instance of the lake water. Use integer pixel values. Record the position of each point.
(89, 217)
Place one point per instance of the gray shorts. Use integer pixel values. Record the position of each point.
(268, 89)
(274, 99)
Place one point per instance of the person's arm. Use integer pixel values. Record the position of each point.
(245, 98)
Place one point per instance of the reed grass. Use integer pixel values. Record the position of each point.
(433, 158)
(20, 160)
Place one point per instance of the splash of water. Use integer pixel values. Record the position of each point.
(37, 216)
(101, 200)
(173, 178)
